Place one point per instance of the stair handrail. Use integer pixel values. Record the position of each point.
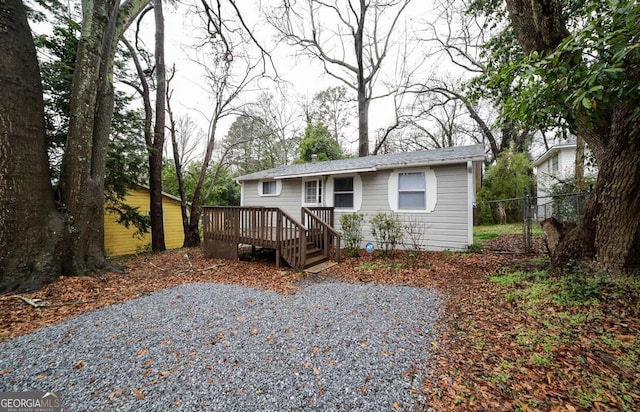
(290, 248)
(330, 235)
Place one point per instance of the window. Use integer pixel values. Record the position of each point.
(411, 191)
(343, 193)
(269, 187)
(553, 167)
(313, 191)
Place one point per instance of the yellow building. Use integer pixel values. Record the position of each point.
(118, 240)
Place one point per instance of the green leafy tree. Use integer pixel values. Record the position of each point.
(510, 177)
(223, 192)
(582, 70)
(351, 225)
(318, 140)
(387, 230)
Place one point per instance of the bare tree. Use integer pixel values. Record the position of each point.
(352, 48)
(457, 38)
(283, 120)
(156, 149)
(333, 107)
(230, 68)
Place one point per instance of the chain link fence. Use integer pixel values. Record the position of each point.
(528, 210)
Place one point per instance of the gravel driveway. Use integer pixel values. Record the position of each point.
(214, 347)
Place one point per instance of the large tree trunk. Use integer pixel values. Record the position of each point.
(155, 151)
(610, 231)
(79, 191)
(83, 168)
(36, 244)
(30, 226)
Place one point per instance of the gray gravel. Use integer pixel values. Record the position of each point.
(214, 347)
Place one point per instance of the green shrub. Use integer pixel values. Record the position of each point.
(352, 232)
(387, 229)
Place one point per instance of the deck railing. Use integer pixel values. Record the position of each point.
(320, 232)
(292, 241)
(273, 228)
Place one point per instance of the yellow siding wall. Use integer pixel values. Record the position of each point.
(118, 240)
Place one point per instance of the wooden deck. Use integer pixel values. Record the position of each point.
(300, 244)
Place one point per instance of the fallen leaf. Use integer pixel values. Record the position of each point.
(142, 352)
(316, 370)
(115, 393)
(626, 338)
(138, 394)
(80, 364)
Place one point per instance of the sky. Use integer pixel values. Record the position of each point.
(305, 76)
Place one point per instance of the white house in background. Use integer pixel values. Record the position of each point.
(556, 165)
(433, 191)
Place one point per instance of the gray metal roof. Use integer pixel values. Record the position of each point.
(460, 154)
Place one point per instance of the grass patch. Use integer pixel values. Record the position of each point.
(488, 232)
(576, 329)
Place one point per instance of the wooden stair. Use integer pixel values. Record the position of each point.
(314, 256)
(302, 244)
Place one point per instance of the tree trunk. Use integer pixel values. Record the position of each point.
(610, 230)
(155, 154)
(77, 187)
(31, 228)
(363, 100)
(192, 237)
(91, 111)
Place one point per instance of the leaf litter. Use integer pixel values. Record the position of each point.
(483, 360)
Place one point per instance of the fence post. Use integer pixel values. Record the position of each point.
(526, 224)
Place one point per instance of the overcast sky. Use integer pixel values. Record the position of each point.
(306, 77)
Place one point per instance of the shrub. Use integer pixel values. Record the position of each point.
(352, 232)
(386, 228)
(416, 233)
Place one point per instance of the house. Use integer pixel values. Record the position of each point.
(119, 240)
(432, 192)
(556, 165)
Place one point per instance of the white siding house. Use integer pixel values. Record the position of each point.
(555, 166)
(432, 191)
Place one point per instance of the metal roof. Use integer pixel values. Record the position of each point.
(449, 155)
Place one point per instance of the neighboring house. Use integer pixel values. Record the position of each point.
(432, 192)
(119, 240)
(556, 165)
